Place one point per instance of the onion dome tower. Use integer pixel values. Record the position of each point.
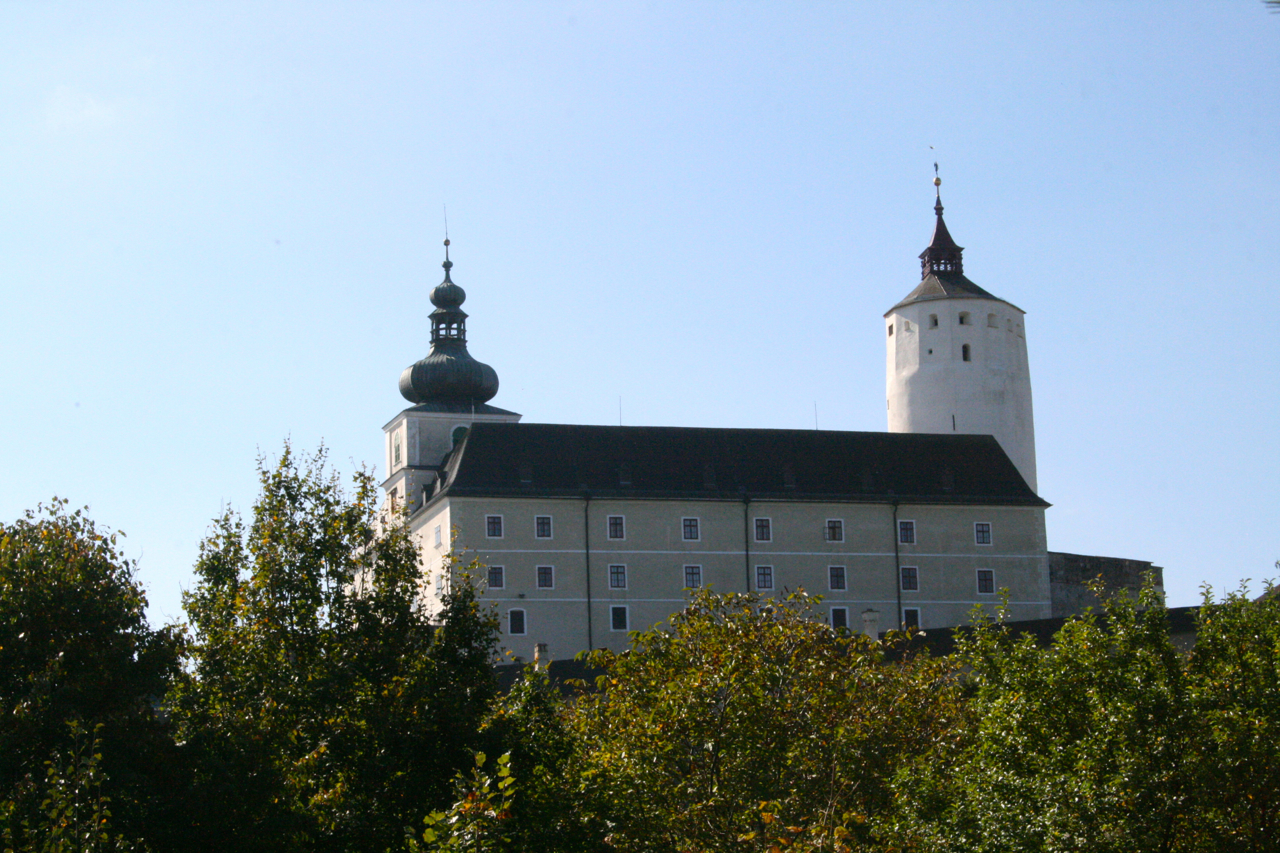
(957, 356)
(448, 374)
(450, 391)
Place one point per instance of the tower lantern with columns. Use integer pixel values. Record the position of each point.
(957, 357)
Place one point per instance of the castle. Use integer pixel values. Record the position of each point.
(588, 532)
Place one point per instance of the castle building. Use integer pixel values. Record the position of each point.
(588, 532)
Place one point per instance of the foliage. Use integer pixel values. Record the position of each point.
(480, 819)
(75, 815)
(751, 725)
(323, 709)
(75, 648)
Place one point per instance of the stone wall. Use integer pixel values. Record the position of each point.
(1069, 575)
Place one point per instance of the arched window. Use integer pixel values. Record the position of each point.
(964, 352)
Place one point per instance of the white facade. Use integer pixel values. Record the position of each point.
(959, 365)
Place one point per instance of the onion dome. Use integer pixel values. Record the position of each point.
(448, 374)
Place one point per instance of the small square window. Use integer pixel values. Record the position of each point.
(835, 578)
(986, 582)
(497, 577)
(617, 527)
(493, 526)
(910, 579)
(618, 617)
(693, 577)
(982, 533)
(764, 577)
(840, 618)
(542, 526)
(764, 530)
(690, 527)
(835, 530)
(617, 577)
(911, 617)
(546, 577)
(907, 532)
(515, 620)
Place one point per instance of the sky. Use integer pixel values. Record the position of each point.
(219, 224)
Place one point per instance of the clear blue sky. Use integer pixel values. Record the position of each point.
(219, 224)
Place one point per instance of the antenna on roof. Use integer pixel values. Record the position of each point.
(815, 414)
(619, 410)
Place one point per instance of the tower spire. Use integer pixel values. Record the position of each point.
(942, 254)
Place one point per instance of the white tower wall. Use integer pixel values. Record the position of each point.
(933, 389)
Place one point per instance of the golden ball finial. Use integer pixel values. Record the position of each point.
(446, 241)
(937, 182)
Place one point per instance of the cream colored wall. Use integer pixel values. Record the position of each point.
(655, 554)
(928, 382)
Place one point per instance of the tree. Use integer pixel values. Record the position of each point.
(323, 709)
(750, 725)
(76, 650)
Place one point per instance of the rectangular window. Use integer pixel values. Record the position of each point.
(617, 527)
(907, 532)
(911, 617)
(986, 582)
(764, 577)
(693, 577)
(542, 526)
(493, 526)
(546, 577)
(497, 577)
(835, 577)
(690, 527)
(982, 533)
(840, 618)
(764, 530)
(618, 617)
(910, 579)
(617, 577)
(835, 530)
(439, 537)
(515, 622)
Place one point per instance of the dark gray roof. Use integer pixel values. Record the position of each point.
(942, 285)
(497, 459)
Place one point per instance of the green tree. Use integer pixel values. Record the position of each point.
(324, 709)
(751, 725)
(1083, 745)
(75, 648)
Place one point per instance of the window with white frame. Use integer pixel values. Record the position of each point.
(618, 617)
(907, 532)
(542, 526)
(439, 537)
(764, 577)
(764, 530)
(835, 530)
(840, 618)
(986, 582)
(836, 579)
(910, 579)
(515, 622)
(493, 526)
(497, 577)
(546, 577)
(617, 527)
(693, 577)
(617, 577)
(690, 528)
(911, 617)
(982, 533)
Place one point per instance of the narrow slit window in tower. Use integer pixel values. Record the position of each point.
(964, 352)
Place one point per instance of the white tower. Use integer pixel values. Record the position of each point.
(957, 358)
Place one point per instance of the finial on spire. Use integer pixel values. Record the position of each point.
(937, 190)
